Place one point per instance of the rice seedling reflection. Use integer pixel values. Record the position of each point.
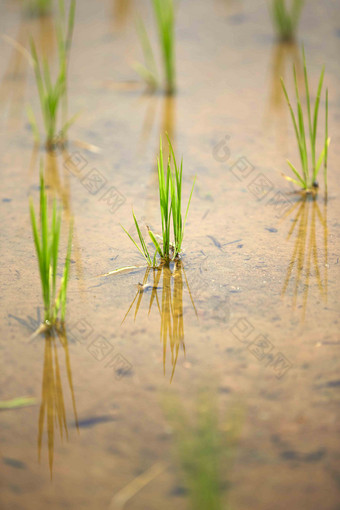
(13, 82)
(166, 120)
(283, 57)
(52, 407)
(309, 223)
(120, 12)
(205, 447)
(170, 279)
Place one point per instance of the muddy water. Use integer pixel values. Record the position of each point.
(253, 306)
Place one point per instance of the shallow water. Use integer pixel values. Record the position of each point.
(252, 308)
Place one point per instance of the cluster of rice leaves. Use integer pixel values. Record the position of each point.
(286, 19)
(53, 94)
(46, 235)
(204, 447)
(164, 11)
(307, 177)
(170, 201)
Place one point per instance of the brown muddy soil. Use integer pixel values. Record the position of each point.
(253, 307)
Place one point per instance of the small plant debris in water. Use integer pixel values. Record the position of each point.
(17, 403)
(164, 11)
(170, 201)
(286, 18)
(310, 169)
(46, 234)
(53, 96)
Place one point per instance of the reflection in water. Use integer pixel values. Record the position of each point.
(230, 7)
(45, 35)
(52, 398)
(167, 121)
(170, 306)
(168, 118)
(308, 221)
(284, 56)
(13, 83)
(121, 11)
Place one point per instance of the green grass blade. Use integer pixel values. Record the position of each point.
(33, 123)
(187, 210)
(317, 103)
(149, 71)
(308, 107)
(304, 183)
(71, 18)
(65, 278)
(155, 242)
(327, 141)
(146, 75)
(134, 242)
(142, 242)
(294, 122)
(301, 130)
(55, 231)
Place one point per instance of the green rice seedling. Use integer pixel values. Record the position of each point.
(165, 16)
(307, 177)
(46, 234)
(148, 71)
(286, 19)
(170, 201)
(164, 11)
(204, 448)
(53, 95)
(38, 7)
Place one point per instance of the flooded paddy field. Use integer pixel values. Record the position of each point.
(249, 315)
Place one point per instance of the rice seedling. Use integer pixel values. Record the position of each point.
(164, 11)
(165, 16)
(307, 177)
(204, 448)
(39, 7)
(53, 95)
(170, 201)
(148, 71)
(286, 19)
(46, 240)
